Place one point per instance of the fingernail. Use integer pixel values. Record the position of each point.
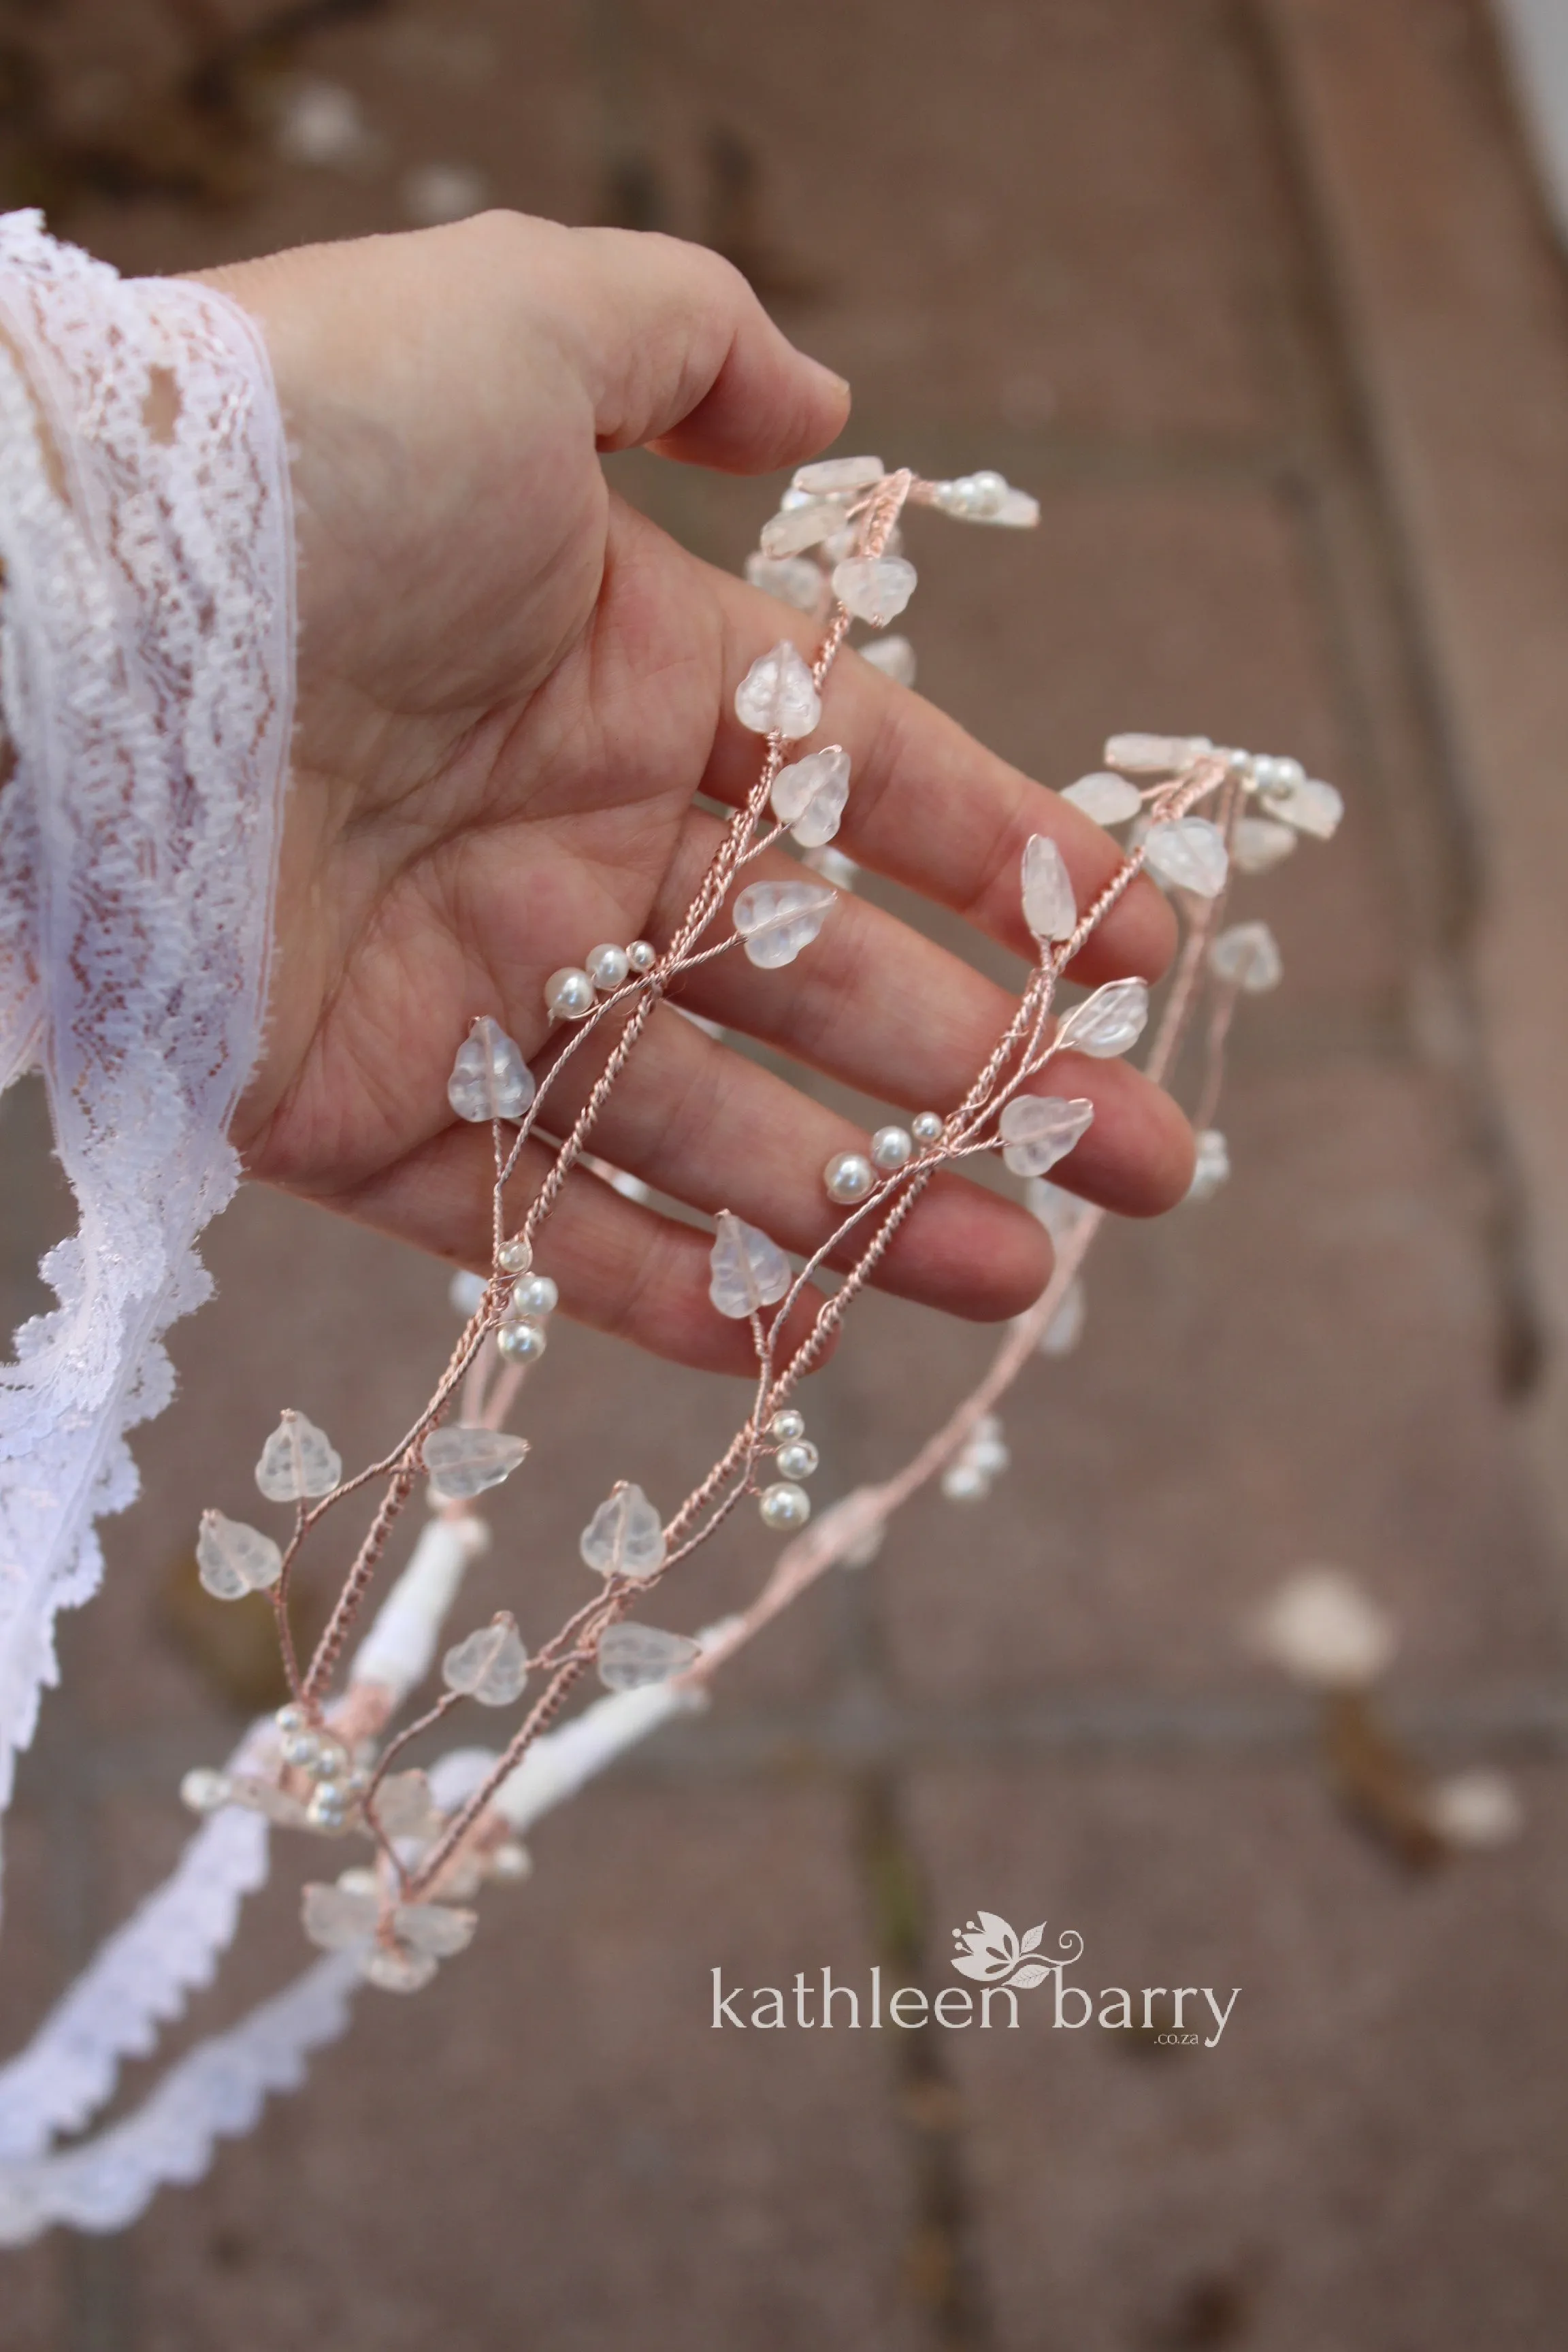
(840, 383)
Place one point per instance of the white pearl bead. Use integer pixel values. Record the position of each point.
(328, 1809)
(203, 1790)
(1289, 773)
(302, 1749)
(523, 1342)
(534, 1295)
(962, 1483)
(642, 956)
(290, 1718)
(926, 1127)
(785, 1426)
(331, 1761)
(515, 1256)
(608, 966)
(569, 993)
(892, 1145)
(508, 1863)
(798, 1460)
(785, 1507)
(848, 1176)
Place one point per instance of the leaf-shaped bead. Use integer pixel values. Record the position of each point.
(778, 695)
(777, 919)
(464, 1460)
(624, 1537)
(1108, 799)
(809, 795)
(489, 1079)
(297, 1461)
(1155, 755)
(746, 1270)
(1189, 853)
(793, 579)
(1259, 843)
(633, 1656)
(1248, 957)
(798, 527)
(1109, 1022)
(1049, 908)
(233, 1559)
(826, 475)
(490, 1666)
(875, 588)
(1039, 1130)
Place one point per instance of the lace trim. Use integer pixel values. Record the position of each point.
(146, 665)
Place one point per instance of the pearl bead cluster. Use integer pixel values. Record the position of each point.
(850, 1176)
(785, 1504)
(534, 1297)
(571, 993)
(969, 1477)
(339, 1784)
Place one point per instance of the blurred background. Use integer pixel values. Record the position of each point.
(1261, 298)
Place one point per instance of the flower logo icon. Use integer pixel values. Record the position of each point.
(995, 1953)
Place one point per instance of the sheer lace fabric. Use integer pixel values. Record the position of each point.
(146, 664)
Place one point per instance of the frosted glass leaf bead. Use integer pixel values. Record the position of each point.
(784, 1505)
(233, 1560)
(534, 1295)
(1039, 1130)
(607, 966)
(467, 1292)
(336, 1919)
(894, 656)
(1108, 799)
(798, 528)
(746, 1270)
(407, 1808)
(892, 1147)
(568, 994)
(793, 579)
(778, 694)
(1049, 908)
(490, 1077)
(1065, 1329)
(1211, 1165)
(624, 1537)
(1258, 844)
(522, 1342)
(394, 1971)
(848, 1177)
(875, 588)
(1310, 807)
(787, 1425)
(809, 795)
(490, 1666)
(1155, 755)
(964, 1482)
(633, 1656)
(798, 1460)
(1061, 1212)
(1017, 511)
(777, 919)
(1109, 1022)
(826, 475)
(1189, 853)
(833, 866)
(463, 1461)
(436, 1928)
(297, 1461)
(1248, 957)
(926, 1127)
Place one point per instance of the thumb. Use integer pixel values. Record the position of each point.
(677, 352)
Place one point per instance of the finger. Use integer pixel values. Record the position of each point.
(678, 351)
(930, 808)
(620, 1266)
(712, 1128)
(878, 1006)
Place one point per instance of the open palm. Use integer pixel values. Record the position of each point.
(512, 688)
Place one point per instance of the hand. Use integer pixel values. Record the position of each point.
(511, 688)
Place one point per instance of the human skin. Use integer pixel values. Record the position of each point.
(511, 689)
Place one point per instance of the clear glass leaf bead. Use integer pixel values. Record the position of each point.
(894, 656)
(826, 476)
(793, 580)
(633, 1656)
(746, 1270)
(298, 1462)
(490, 1666)
(1248, 957)
(1039, 1130)
(798, 528)
(1109, 1022)
(233, 1560)
(436, 1930)
(405, 1807)
(1189, 853)
(1049, 908)
(875, 588)
(809, 795)
(777, 919)
(1309, 806)
(624, 1537)
(337, 1918)
(1108, 799)
(489, 1079)
(778, 694)
(463, 1461)
(1155, 755)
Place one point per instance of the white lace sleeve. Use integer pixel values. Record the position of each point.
(146, 662)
